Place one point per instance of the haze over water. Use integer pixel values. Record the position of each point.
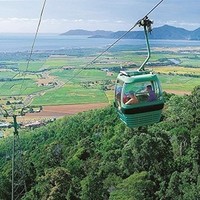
(23, 42)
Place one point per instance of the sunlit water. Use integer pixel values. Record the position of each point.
(24, 42)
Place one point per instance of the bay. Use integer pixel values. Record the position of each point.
(23, 42)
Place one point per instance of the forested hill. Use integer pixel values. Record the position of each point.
(164, 32)
(93, 156)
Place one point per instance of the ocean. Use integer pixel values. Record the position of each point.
(23, 42)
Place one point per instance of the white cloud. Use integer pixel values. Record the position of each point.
(17, 24)
(78, 20)
(60, 25)
(62, 15)
(18, 0)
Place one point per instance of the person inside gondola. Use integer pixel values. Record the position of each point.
(125, 98)
(133, 99)
(151, 94)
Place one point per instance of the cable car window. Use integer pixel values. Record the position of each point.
(144, 91)
(118, 93)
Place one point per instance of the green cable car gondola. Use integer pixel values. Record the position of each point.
(138, 94)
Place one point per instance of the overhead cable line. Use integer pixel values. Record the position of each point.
(19, 187)
(32, 47)
(154, 8)
(109, 47)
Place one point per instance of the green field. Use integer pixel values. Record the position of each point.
(67, 79)
(20, 87)
(79, 75)
(33, 66)
(71, 94)
(178, 83)
(56, 62)
(177, 70)
(7, 74)
(191, 62)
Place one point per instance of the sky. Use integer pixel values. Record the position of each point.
(59, 16)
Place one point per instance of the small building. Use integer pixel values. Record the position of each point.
(105, 70)
(1, 134)
(67, 67)
(34, 124)
(5, 125)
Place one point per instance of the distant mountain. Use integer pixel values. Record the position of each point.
(164, 32)
(170, 33)
(99, 33)
(196, 34)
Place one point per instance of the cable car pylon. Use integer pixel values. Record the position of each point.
(18, 174)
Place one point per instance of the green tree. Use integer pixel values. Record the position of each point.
(92, 187)
(136, 187)
(194, 106)
(5, 187)
(54, 185)
(189, 186)
(147, 152)
(173, 191)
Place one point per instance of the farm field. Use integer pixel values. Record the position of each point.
(58, 79)
(61, 110)
(178, 83)
(71, 94)
(178, 70)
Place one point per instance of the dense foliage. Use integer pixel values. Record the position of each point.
(94, 156)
